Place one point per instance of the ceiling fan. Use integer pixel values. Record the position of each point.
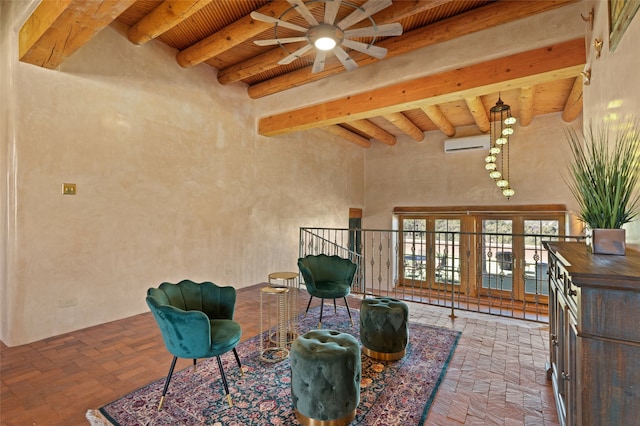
(328, 36)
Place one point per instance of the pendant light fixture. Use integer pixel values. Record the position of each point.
(497, 162)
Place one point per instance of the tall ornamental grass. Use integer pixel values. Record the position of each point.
(605, 174)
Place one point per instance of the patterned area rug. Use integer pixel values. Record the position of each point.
(392, 392)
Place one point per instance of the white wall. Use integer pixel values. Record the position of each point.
(172, 182)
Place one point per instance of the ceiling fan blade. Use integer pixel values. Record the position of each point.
(271, 20)
(369, 49)
(345, 59)
(295, 55)
(273, 41)
(303, 11)
(318, 63)
(364, 11)
(377, 31)
(331, 11)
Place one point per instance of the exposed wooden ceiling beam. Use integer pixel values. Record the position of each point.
(469, 22)
(269, 59)
(164, 17)
(232, 35)
(573, 106)
(367, 127)
(348, 135)
(407, 126)
(479, 113)
(56, 29)
(562, 60)
(258, 64)
(439, 119)
(525, 100)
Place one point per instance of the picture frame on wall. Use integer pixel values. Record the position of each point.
(621, 13)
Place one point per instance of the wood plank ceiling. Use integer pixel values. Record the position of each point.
(221, 34)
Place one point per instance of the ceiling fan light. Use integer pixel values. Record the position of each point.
(325, 43)
(325, 36)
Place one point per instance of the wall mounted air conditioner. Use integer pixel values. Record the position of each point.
(467, 143)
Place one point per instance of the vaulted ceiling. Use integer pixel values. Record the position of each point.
(221, 34)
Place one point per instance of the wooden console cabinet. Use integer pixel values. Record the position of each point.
(594, 335)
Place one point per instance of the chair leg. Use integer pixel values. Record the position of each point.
(348, 310)
(224, 381)
(194, 365)
(238, 361)
(321, 306)
(335, 307)
(166, 383)
(308, 304)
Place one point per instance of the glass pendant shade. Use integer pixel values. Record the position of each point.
(494, 150)
(508, 192)
(502, 183)
(490, 159)
(495, 174)
(490, 166)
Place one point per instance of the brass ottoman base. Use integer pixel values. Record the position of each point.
(383, 356)
(306, 421)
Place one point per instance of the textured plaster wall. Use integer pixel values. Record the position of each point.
(422, 174)
(614, 92)
(172, 182)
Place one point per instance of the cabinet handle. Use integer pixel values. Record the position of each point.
(565, 376)
(573, 292)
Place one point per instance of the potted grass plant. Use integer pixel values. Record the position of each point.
(604, 177)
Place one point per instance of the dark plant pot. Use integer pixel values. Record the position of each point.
(608, 241)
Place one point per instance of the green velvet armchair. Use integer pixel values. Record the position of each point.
(327, 277)
(196, 321)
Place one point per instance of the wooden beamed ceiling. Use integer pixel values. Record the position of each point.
(221, 34)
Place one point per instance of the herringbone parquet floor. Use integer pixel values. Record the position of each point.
(496, 377)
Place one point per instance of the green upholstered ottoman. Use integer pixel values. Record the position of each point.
(325, 377)
(384, 330)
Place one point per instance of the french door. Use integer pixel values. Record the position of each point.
(512, 261)
(489, 254)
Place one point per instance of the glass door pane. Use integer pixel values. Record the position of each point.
(497, 256)
(446, 253)
(536, 262)
(414, 249)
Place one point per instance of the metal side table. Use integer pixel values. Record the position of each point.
(273, 323)
(288, 280)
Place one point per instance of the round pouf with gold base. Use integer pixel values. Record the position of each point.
(325, 377)
(384, 329)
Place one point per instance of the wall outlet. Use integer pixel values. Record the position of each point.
(68, 189)
(68, 302)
